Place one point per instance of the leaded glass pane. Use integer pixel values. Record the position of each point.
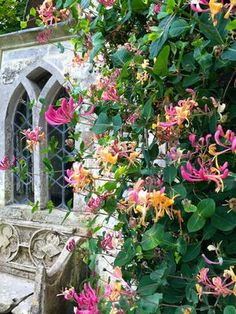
(23, 181)
(59, 192)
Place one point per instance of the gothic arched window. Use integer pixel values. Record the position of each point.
(31, 183)
(59, 192)
(23, 179)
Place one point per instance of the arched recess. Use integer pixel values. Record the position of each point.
(38, 81)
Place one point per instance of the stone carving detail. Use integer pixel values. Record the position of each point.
(9, 242)
(46, 246)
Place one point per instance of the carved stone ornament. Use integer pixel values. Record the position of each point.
(9, 242)
(46, 246)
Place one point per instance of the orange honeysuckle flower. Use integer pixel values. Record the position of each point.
(105, 156)
(231, 7)
(78, 177)
(230, 273)
(162, 204)
(215, 8)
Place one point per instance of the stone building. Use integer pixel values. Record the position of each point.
(34, 262)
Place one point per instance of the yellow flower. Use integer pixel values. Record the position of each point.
(232, 5)
(230, 273)
(105, 156)
(187, 311)
(162, 205)
(141, 209)
(199, 290)
(212, 149)
(145, 63)
(215, 8)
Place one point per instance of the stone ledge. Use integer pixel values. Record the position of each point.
(25, 38)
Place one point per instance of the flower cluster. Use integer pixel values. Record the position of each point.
(5, 163)
(140, 201)
(214, 7)
(110, 155)
(217, 286)
(33, 137)
(78, 177)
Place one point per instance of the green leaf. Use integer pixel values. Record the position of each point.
(147, 111)
(68, 3)
(193, 250)
(120, 172)
(35, 207)
(195, 222)
(151, 302)
(230, 309)
(178, 27)
(98, 43)
(190, 208)
(126, 254)
(23, 24)
(157, 45)
(161, 64)
(169, 174)
(178, 189)
(102, 124)
(230, 53)
(120, 57)
(206, 207)
(170, 6)
(231, 25)
(224, 221)
(117, 122)
(33, 11)
(152, 237)
(60, 47)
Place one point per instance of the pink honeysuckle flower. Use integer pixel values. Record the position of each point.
(111, 241)
(208, 261)
(199, 5)
(110, 94)
(107, 3)
(93, 204)
(216, 286)
(68, 294)
(177, 115)
(229, 139)
(206, 173)
(33, 137)
(87, 301)
(64, 114)
(5, 163)
(157, 8)
(47, 12)
(78, 177)
(106, 243)
(71, 245)
(44, 36)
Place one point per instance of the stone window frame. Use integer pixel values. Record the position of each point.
(26, 83)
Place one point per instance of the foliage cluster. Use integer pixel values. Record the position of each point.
(165, 147)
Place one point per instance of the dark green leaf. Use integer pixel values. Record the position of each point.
(230, 53)
(178, 27)
(230, 309)
(170, 174)
(206, 207)
(161, 64)
(152, 237)
(120, 57)
(102, 124)
(117, 122)
(195, 222)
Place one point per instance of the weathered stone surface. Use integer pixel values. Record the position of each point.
(13, 290)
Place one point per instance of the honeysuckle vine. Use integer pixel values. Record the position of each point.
(159, 166)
